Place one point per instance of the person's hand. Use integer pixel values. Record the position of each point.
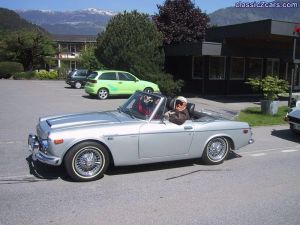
(167, 114)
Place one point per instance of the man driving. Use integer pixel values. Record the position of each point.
(180, 114)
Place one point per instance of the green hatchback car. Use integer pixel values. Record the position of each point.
(105, 83)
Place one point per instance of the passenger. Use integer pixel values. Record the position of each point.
(145, 105)
(180, 114)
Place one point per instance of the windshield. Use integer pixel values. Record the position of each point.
(142, 105)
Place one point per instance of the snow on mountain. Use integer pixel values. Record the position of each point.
(74, 22)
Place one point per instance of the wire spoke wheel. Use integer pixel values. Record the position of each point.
(86, 161)
(216, 150)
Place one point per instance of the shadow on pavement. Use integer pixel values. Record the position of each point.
(43, 171)
(286, 134)
(167, 165)
(46, 172)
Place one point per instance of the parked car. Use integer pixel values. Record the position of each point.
(105, 83)
(77, 78)
(293, 117)
(87, 143)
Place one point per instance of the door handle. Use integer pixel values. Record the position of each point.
(188, 127)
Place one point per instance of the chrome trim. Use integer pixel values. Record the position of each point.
(50, 160)
(251, 141)
(35, 146)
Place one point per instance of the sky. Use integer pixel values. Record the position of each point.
(144, 6)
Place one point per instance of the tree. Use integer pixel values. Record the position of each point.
(31, 48)
(88, 59)
(131, 42)
(180, 21)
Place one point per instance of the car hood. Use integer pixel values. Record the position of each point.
(71, 120)
(295, 112)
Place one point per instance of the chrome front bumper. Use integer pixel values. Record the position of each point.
(35, 147)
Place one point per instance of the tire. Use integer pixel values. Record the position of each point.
(77, 85)
(86, 161)
(216, 151)
(149, 90)
(293, 129)
(103, 93)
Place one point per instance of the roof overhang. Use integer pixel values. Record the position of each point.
(194, 49)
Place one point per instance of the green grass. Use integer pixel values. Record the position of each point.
(254, 117)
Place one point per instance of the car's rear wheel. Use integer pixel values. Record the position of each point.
(103, 93)
(86, 161)
(78, 85)
(148, 90)
(216, 151)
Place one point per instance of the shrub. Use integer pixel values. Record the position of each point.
(270, 86)
(7, 69)
(45, 75)
(168, 86)
(24, 75)
(39, 75)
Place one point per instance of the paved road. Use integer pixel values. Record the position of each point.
(258, 185)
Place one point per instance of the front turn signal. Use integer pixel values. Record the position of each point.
(58, 141)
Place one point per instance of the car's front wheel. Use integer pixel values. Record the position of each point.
(86, 161)
(292, 128)
(103, 93)
(216, 151)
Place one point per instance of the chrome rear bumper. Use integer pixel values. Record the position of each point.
(35, 146)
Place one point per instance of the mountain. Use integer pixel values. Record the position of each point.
(93, 21)
(234, 15)
(82, 22)
(11, 21)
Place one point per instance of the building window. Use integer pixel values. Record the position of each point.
(255, 68)
(273, 67)
(198, 65)
(73, 48)
(72, 65)
(217, 68)
(237, 68)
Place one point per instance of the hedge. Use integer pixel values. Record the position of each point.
(39, 75)
(8, 69)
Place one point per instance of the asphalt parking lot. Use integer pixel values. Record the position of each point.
(257, 185)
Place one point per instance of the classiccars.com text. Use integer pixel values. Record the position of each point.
(263, 4)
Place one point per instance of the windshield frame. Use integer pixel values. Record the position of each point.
(130, 109)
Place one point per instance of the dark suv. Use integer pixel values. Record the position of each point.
(77, 78)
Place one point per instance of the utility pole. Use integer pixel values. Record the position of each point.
(295, 61)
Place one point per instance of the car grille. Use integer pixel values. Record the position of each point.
(294, 120)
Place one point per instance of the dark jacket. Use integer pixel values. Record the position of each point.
(179, 117)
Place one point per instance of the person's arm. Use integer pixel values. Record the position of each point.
(179, 117)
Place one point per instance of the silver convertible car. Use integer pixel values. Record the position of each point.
(136, 133)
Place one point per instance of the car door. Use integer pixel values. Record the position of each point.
(161, 139)
(109, 81)
(128, 84)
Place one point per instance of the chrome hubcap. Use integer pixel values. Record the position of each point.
(89, 162)
(103, 94)
(216, 149)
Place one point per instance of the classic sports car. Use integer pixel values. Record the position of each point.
(136, 133)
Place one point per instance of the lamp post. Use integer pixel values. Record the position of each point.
(295, 61)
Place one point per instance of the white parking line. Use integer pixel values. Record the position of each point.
(258, 154)
(290, 150)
